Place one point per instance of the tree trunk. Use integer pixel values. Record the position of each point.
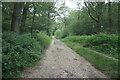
(98, 27)
(95, 18)
(33, 19)
(16, 17)
(48, 29)
(78, 4)
(119, 17)
(110, 19)
(78, 17)
(24, 16)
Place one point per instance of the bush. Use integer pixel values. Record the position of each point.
(107, 65)
(19, 51)
(78, 39)
(43, 39)
(107, 43)
(58, 34)
(103, 38)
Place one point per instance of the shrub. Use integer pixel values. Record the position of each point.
(107, 43)
(107, 65)
(20, 51)
(58, 34)
(103, 38)
(43, 39)
(78, 39)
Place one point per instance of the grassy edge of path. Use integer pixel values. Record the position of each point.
(104, 64)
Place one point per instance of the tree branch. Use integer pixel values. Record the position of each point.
(90, 13)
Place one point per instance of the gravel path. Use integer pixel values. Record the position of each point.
(60, 61)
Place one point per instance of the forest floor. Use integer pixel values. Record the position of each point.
(59, 61)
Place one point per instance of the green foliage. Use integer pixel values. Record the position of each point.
(79, 22)
(7, 10)
(107, 43)
(84, 25)
(58, 34)
(43, 39)
(20, 51)
(106, 65)
(102, 38)
(61, 33)
(78, 39)
(102, 42)
(42, 21)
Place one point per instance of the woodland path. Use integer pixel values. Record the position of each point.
(59, 61)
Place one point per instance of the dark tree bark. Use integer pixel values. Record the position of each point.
(33, 20)
(16, 17)
(110, 19)
(118, 49)
(119, 17)
(48, 29)
(24, 16)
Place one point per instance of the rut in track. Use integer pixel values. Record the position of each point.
(60, 61)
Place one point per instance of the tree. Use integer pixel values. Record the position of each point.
(24, 16)
(7, 10)
(95, 10)
(110, 18)
(16, 17)
(85, 25)
(79, 5)
(33, 20)
(50, 10)
(119, 18)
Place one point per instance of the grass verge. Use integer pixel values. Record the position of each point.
(107, 65)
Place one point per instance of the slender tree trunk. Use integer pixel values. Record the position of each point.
(78, 13)
(24, 16)
(65, 21)
(48, 29)
(64, 16)
(118, 50)
(98, 27)
(33, 19)
(78, 17)
(16, 17)
(110, 19)
(119, 17)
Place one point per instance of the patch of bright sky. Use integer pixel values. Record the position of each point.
(72, 4)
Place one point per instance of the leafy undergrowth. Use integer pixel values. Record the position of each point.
(43, 39)
(102, 42)
(106, 65)
(20, 51)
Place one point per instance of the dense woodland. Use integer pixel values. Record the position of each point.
(28, 26)
(92, 18)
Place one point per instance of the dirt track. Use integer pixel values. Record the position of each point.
(62, 62)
